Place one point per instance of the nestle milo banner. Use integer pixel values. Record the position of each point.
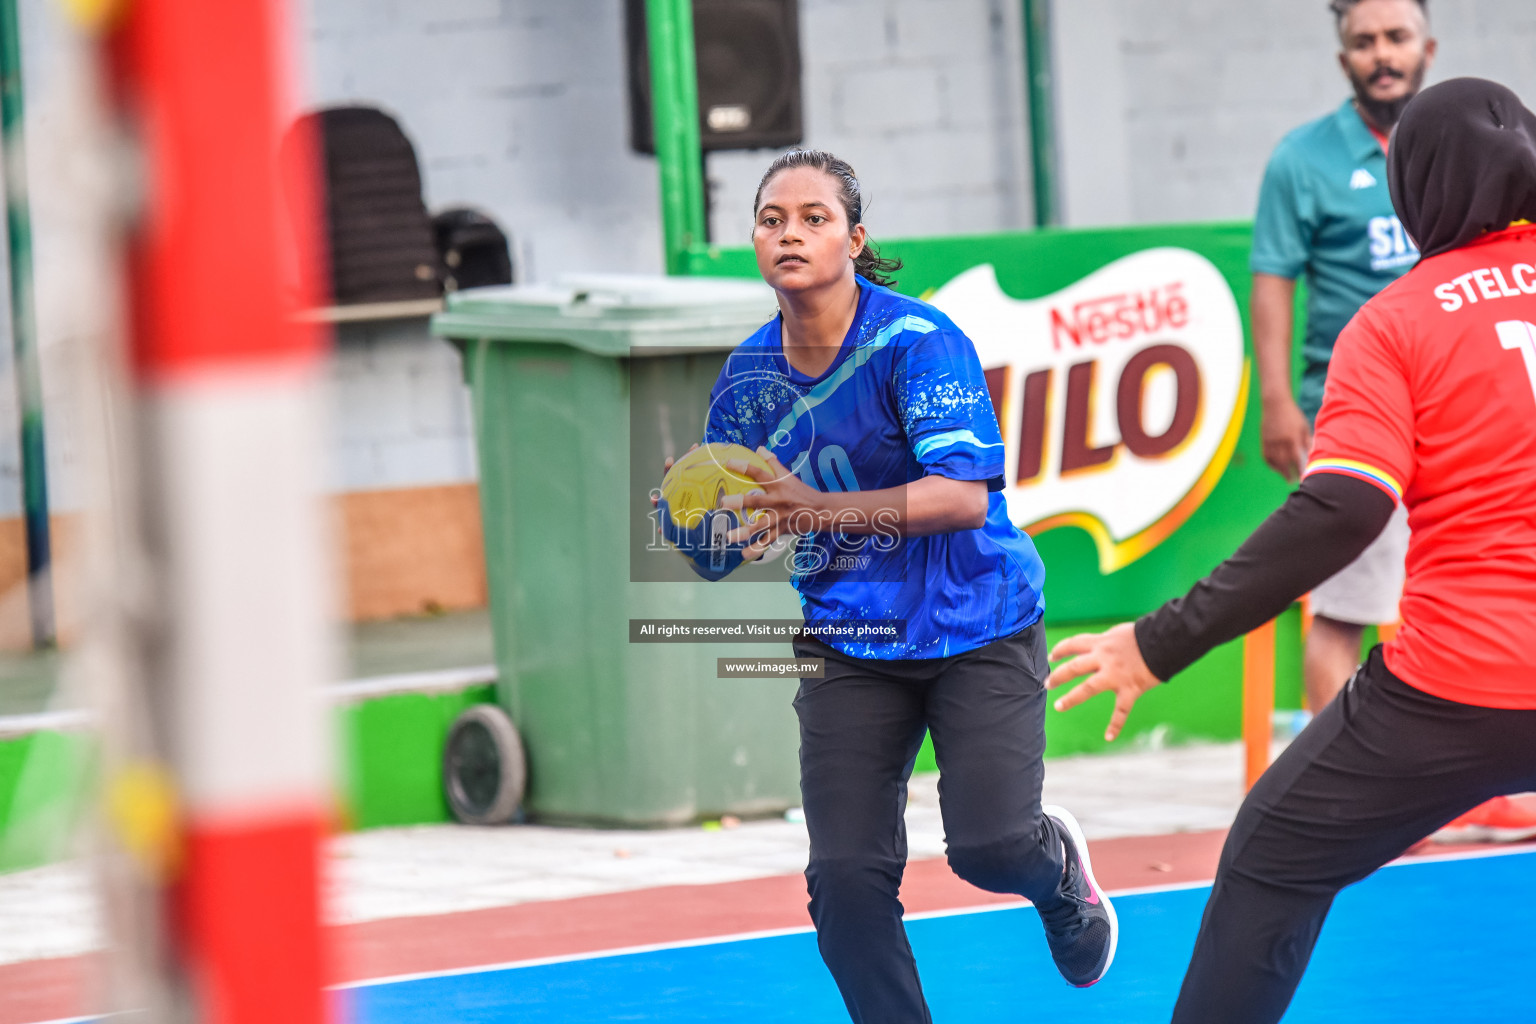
(1122, 377)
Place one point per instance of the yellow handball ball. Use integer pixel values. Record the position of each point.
(696, 482)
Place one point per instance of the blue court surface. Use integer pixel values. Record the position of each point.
(1430, 941)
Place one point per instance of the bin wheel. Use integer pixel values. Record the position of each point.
(484, 771)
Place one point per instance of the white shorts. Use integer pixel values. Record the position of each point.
(1366, 591)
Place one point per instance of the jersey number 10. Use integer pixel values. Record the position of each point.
(1521, 335)
(835, 466)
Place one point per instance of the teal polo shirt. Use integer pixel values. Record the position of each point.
(1324, 212)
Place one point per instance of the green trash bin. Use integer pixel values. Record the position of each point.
(580, 389)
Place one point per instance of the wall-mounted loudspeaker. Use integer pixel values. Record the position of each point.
(379, 235)
(748, 57)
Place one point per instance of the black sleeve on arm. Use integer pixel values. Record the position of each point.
(1323, 526)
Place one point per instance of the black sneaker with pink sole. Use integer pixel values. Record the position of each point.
(1080, 925)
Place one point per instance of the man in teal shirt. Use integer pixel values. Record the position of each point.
(1325, 212)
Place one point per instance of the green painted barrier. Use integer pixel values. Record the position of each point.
(45, 782)
(392, 756)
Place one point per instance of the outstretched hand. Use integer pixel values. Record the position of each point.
(1112, 661)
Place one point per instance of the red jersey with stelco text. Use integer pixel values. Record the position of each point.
(1431, 396)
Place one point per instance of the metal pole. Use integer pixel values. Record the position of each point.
(1041, 87)
(29, 384)
(708, 195)
(675, 120)
(1258, 700)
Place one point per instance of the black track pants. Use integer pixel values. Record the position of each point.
(1380, 768)
(860, 730)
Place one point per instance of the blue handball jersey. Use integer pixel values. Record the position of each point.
(903, 399)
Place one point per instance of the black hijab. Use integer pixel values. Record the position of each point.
(1463, 161)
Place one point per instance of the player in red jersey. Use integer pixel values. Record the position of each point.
(1430, 400)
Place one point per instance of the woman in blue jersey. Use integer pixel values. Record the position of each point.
(887, 461)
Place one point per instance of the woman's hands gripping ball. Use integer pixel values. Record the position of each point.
(780, 504)
(693, 517)
(724, 504)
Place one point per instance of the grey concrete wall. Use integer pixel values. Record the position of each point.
(1167, 110)
(925, 98)
(400, 411)
(515, 106)
(520, 106)
(1170, 109)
